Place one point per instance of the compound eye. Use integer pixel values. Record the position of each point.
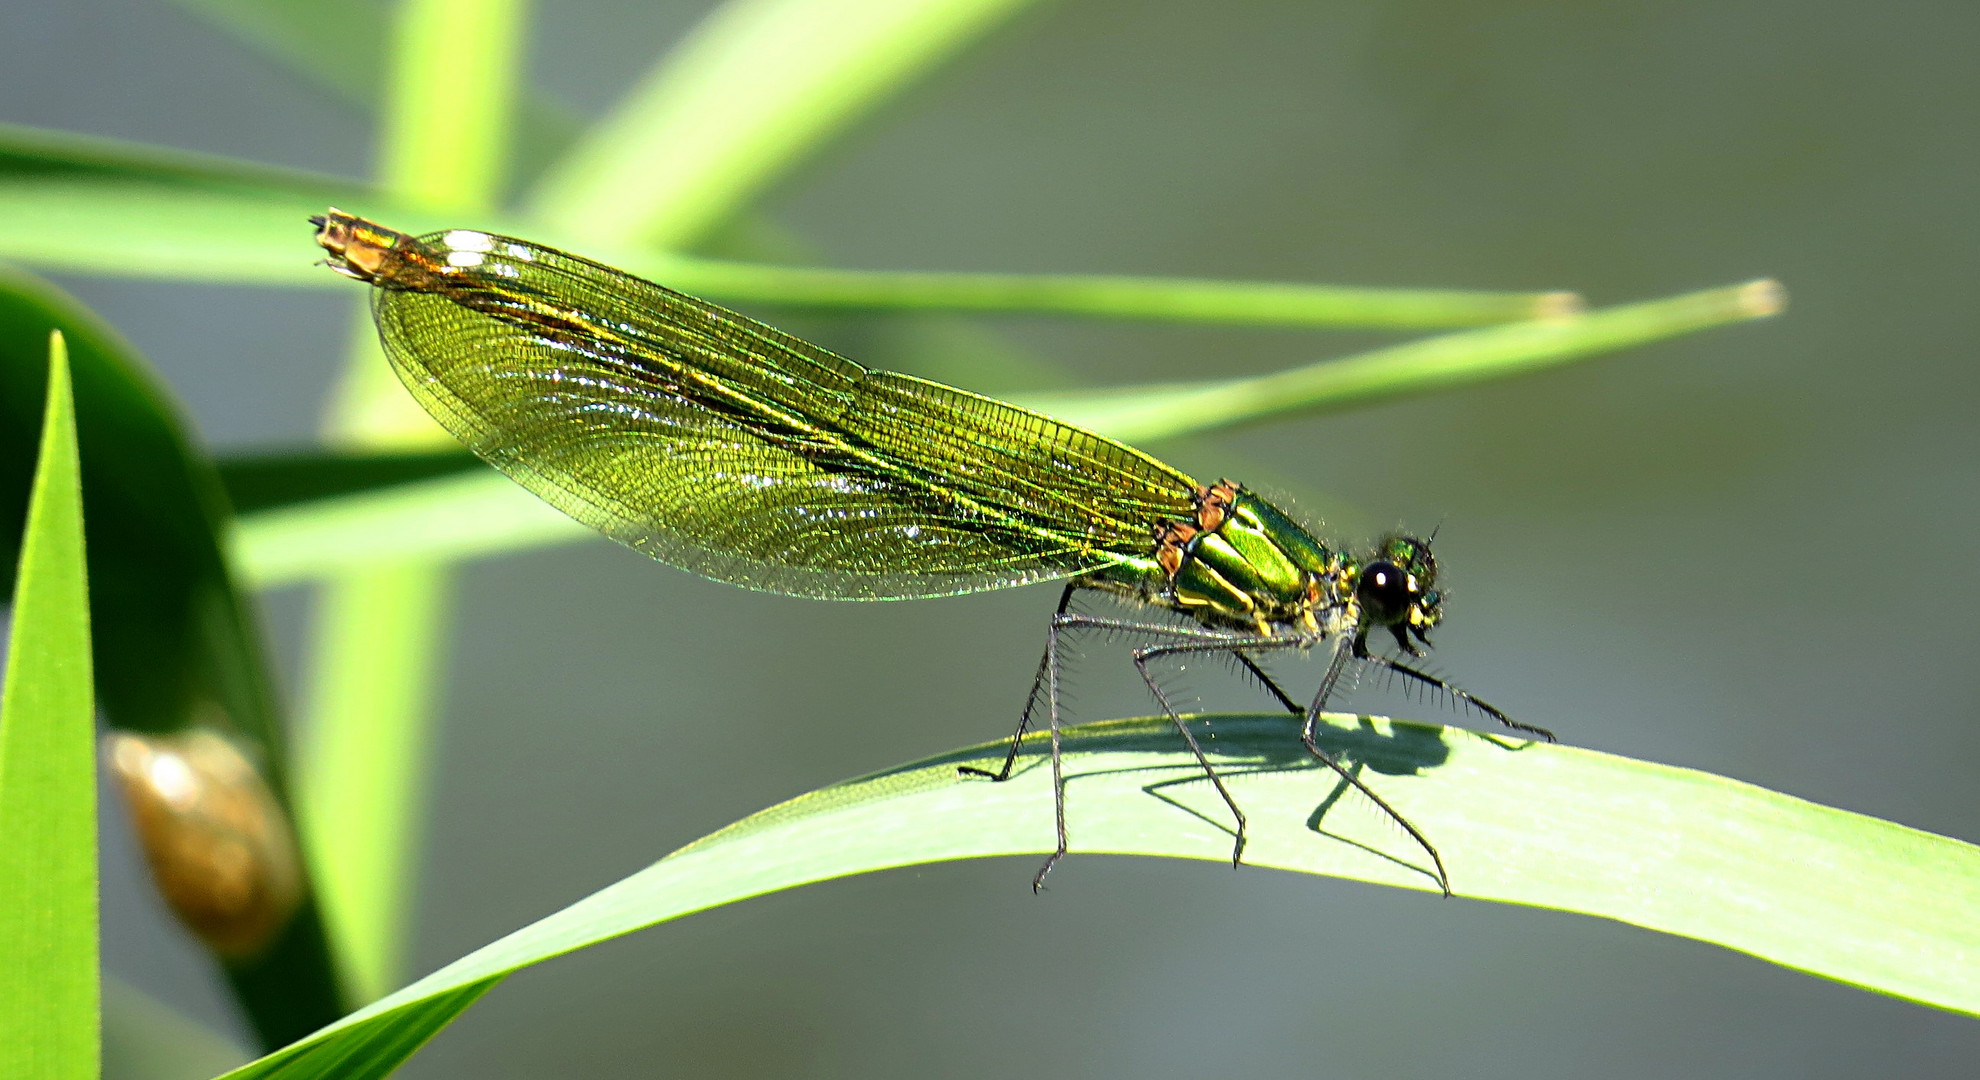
(1385, 593)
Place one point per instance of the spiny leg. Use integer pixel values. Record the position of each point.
(1060, 617)
(1456, 692)
(1061, 625)
(1270, 685)
(1058, 765)
(1048, 680)
(1030, 702)
(1309, 737)
(1141, 659)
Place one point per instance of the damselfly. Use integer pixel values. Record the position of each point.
(723, 446)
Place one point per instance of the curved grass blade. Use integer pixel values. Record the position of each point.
(474, 514)
(1444, 362)
(49, 999)
(755, 87)
(174, 643)
(279, 478)
(97, 205)
(104, 206)
(454, 81)
(1153, 299)
(1836, 894)
(453, 75)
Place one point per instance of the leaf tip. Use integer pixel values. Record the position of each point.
(1557, 306)
(1759, 299)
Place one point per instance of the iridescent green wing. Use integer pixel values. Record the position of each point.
(718, 444)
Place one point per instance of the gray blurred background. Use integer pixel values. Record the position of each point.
(1751, 551)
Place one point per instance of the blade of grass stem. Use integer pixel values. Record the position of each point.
(1836, 894)
(377, 653)
(105, 206)
(453, 82)
(1110, 296)
(277, 478)
(136, 228)
(451, 103)
(50, 1012)
(453, 518)
(1154, 299)
(754, 88)
(176, 646)
(1438, 363)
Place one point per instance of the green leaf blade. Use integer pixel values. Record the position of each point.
(454, 84)
(1428, 365)
(1154, 299)
(174, 643)
(752, 89)
(1674, 850)
(454, 74)
(379, 652)
(453, 518)
(50, 1012)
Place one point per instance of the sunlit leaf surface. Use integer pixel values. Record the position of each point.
(1837, 894)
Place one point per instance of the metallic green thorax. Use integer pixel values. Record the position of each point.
(1241, 563)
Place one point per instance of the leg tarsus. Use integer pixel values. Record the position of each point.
(1030, 703)
(1308, 738)
(1058, 766)
(1141, 658)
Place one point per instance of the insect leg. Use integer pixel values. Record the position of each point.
(1270, 685)
(1141, 659)
(1460, 694)
(1309, 737)
(1038, 681)
(1062, 624)
(1058, 764)
(1030, 702)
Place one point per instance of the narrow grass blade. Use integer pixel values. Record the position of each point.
(97, 205)
(377, 653)
(1182, 300)
(277, 478)
(159, 231)
(756, 87)
(105, 206)
(454, 74)
(175, 645)
(475, 514)
(1836, 894)
(1417, 367)
(26, 151)
(454, 85)
(147, 229)
(249, 230)
(50, 1013)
